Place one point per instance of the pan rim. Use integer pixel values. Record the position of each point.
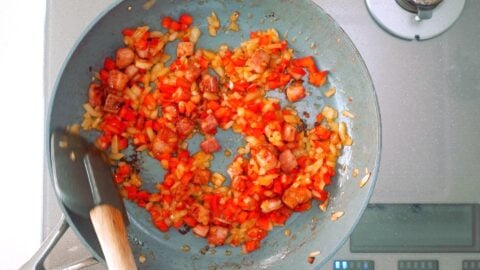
(115, 3)
(48, 117)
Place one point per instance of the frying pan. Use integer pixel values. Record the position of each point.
(310, 31)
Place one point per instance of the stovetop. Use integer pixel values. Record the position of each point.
(429, 96)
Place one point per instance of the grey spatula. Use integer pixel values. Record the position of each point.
(84, 183)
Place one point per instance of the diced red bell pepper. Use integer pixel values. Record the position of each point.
(109, 64)
(124, 169)
(296, 72)
(186, 178)
(264, 222)
(141, 44)
(175, 26)
(306, 62)
(104, 141)
(186, 19)
(103, 76)
(322, 132)
(278, 81)
(167, 22)
(127, 32)
(190, 221)
(303, 207)
(318, 78)
(280, 216)
(256, 233)
(250, 246)
(161, 225)
(127, 114)
(113, 125)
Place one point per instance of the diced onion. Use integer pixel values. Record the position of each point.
(195, 34)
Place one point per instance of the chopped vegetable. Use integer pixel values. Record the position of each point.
(323, 206)
(186, 19)
(348, 114)
(156, 102)
(365, 179)
(336, 215)
(213, 24)
(73, 157)
(233, 26)
(185, 49)
(330, 92)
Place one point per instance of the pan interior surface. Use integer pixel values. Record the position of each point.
(309, 31)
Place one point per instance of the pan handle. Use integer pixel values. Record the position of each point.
(37, 260)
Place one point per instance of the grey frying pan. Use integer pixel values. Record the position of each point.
(310, 31)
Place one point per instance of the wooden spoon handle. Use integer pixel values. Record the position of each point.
(112, 234)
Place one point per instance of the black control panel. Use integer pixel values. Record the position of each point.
(418, 265)
(402, 265)
(471, 265)
(353, 265)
